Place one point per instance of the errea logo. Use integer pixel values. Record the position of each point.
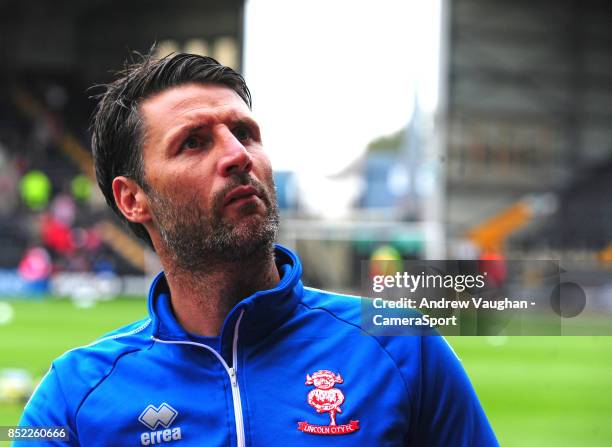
(154, 417)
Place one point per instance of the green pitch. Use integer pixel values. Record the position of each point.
(537, 391)
(543, 391)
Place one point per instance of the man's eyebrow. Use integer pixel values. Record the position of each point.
(239, 118)
(183, 131)
(192, 128)
(247, 121)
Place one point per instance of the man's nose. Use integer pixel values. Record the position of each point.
(235, 157)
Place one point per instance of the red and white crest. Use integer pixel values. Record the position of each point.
(326, 399)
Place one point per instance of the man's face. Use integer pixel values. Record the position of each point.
(208, 181)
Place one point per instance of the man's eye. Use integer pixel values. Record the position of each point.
(193, 142)
(242, 133)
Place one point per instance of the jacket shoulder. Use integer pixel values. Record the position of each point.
(343, 307)
(75, 374)
(82, 369)
(105, 350)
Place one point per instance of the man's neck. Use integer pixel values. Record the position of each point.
(201, 300)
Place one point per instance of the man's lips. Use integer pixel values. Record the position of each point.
(241, 192)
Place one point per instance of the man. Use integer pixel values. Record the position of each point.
(236, 351)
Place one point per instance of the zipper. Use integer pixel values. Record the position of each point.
(231, 372)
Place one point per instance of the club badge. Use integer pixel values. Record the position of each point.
(326, 399)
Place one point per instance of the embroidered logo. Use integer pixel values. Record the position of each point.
(152, 417)
(326, 399)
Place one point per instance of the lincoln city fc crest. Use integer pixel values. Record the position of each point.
(326, 399)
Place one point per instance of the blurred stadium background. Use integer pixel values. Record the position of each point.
(438, 129)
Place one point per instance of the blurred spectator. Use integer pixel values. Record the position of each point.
(493, 264)
(92, 240)
(81, 188)
(35, 265)
(56, 235)
(63, 209)
(35, 189)
(8, 184)
(385, 260)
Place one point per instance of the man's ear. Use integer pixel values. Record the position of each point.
(131, 200)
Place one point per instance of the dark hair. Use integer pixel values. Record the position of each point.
(116, 125)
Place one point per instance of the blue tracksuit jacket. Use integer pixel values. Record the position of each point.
(291, 368)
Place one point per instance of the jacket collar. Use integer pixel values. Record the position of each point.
(263, 311)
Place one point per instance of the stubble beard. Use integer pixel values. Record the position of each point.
(198, 240)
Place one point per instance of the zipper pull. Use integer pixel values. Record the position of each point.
(232, 374)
